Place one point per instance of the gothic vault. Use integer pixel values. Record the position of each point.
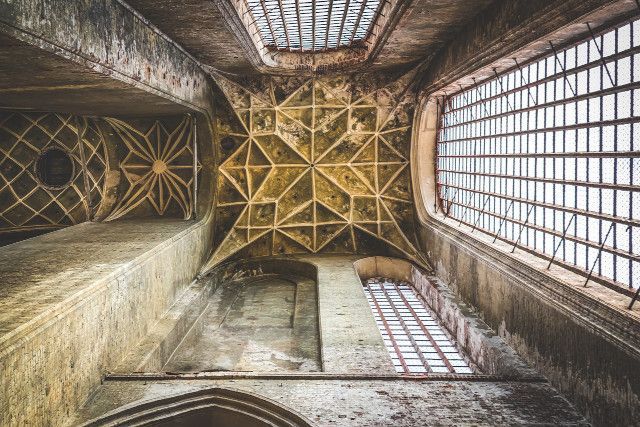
(315, 165)
(319, 213)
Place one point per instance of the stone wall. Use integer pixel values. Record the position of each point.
(73, 301)
(479, 342)
(583, 340)
(125, 65)
(357, 402)
(553, 329)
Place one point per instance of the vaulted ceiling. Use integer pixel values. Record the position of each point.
(202, 28)
(315, 165)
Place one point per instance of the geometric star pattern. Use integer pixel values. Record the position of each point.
(314, 165)
(158, 168)
(25, 204)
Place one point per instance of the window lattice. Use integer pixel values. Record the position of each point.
(547, 157)
(313, 25)
(416, 341)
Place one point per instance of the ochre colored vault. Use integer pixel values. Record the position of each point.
(315, 165)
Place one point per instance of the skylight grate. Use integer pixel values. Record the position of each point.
(313, 25)
(411, 332)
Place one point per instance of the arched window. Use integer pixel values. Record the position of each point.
(546, 157)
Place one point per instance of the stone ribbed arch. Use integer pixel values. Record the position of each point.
(315, 165)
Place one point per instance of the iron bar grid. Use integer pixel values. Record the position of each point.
(313, 25)
(546, 156)
(412, 334)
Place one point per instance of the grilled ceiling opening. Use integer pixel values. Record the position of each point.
(313, 25)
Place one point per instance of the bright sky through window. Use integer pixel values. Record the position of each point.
(313, 25)
(547, 157)
(416, 341)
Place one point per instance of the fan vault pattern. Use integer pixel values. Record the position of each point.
(315, 165)
(158, 167)
(25, 204)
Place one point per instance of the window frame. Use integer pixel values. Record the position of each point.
(434, 130)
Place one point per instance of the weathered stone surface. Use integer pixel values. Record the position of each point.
(349, 337)
(372, 403)
(581, 357)
(519, 29)
(73, 301)
(262, 323)
(421, 29)
(99, 54)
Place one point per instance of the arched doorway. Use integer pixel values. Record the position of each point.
(210, 407)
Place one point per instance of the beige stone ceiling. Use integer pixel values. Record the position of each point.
(26, 204)
(121, 169)
(157, 167)
(315, 165)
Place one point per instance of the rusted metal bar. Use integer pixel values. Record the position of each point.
(603, 185)
(313, 26)
(388, 329)
(455, 194)
(344, 17)
(447, 99)
(599, 253)
(558, 102)
(564, 72)
(576, 143)
(268, 19)
(299, 23)
(250, 9)
(600, 51)
(466, 100)
(484, 104)
(256, 18)
(605, 217)
(426, 332)
(571, 267)
(326, 34)
(599, 124)
(466, 208)
(615, 251)
(358, 19)
(575, 154)
(522, 226)
(564, 235)
(506, 97)
(406, 329)
(527, 84)
(486, 199)
(550, 78)
(284, 23)
(504, 217)
(376, 21)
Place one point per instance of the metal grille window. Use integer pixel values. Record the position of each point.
(414, 338)
(313, 25)
(547, 157)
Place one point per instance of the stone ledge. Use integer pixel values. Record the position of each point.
(61, 304)
(606, 320)
(82, 311)
(365, 402)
